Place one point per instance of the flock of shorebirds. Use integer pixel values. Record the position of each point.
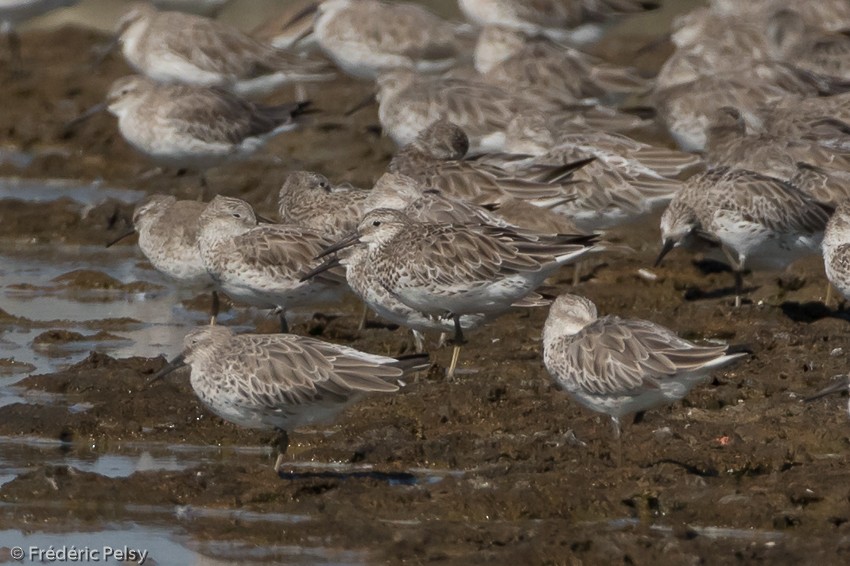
(516, 151)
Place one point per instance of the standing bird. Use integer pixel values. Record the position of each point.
(281, 381)
(194, 127)
(619, 366)
(262, 265)
(367, 284)
(449, 271)
(309, 199)
(168, 236)
(367, 37)
(758, 221)
(178, 48)
(402, 193)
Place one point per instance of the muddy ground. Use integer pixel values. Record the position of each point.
(535, 481)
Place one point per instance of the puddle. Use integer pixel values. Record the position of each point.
(161, 321)
(149, 323)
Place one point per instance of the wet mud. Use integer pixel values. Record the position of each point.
(497, 466)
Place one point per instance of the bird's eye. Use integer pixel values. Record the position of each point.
(237, 215)
(376, 223)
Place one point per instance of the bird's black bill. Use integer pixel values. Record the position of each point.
(562, 174)
(126, 234)
(265, 220)
(367, 100)
(413, 362)
(321, 268)
(665, 249)
(345, 242)
(96, 109)
(174, 364)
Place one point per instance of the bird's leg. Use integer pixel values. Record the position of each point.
(284, 326)
(450, 374)
(441, 341)
(457, 342)
(618, 436)
(739, 287)
(577, 272)
(738, 268)
(215, 306)
(828, 298)
(458, 337)
(363, 319)
(282, 444)
(418, 341)
(204, 195)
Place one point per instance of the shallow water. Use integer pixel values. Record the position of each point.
(155, 321)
